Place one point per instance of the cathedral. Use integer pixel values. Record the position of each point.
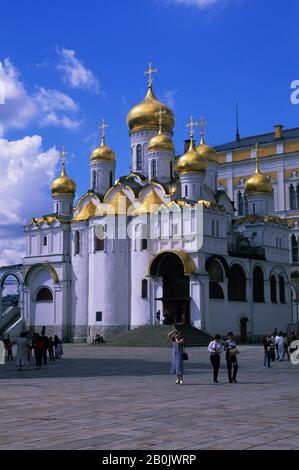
(208, 236)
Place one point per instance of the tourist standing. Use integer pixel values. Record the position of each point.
(231, 351)
(280, 345)
(267, 347)
(215, 348)
(8, 347)
(177, 364)
(22, 350)
(286, 346)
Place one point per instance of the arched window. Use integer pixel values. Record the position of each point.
(76, 242)
(99, 238)
(170, 168)
(143, 236)
(282, 298)
(154, 169)
(297, 196)
(292, 197)
(139, 157)
(294, 244)
(258, 285)
(144, 288)
(236, 283)
(94, 179)
(240, 203)
(186, 191)
(110, 179)
(245, 204)
(44, 294)
(215, 277)
(273, 289)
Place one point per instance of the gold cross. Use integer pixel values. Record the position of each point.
(191, 124)
(202, 123)
(102, 126)
(160, 114)
(63, 153)
(149, 72)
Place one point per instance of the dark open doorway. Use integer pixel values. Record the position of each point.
(176, 300)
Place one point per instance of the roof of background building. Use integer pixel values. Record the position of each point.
(287, 134)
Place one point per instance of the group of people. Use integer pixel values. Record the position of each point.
(42, 346)
(276, 346)
(215, 349)
(97, 339)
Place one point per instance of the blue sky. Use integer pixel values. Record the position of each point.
(70, 63)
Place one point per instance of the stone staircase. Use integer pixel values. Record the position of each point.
(9, 318)
(193, 336)
(157, 336)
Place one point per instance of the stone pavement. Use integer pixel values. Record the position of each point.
(101, 397)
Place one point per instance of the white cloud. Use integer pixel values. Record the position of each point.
(199, 3)
(18, 109)
(51, 103)
(52, 119)
(47, 107)
(49, 100)
(168, 98)
(75, 73)
(12, 251)
(26, 173)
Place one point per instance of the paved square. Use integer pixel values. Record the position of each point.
(107, 397)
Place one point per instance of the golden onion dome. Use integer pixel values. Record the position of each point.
(102, 152)
(205, 150)
(192, 161)
(258, 183)
(144, 114)
(160, 141)
(63, 185)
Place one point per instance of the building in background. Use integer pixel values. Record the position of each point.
(130, 248)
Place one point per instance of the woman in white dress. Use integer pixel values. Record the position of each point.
(22, 350)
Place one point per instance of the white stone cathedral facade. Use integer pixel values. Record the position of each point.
(165, 237)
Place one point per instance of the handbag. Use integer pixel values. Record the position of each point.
(233, 351)
(185, 356)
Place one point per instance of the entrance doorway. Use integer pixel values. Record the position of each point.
(176, 300)
(243, 329)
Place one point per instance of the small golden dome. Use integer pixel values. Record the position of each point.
(144, 114)
(63, 185)
(192, 161)
(102, 152)
(160, 142)
(258, 183)
(205, 150)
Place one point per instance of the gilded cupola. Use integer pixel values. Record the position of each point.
(258, 183)
(205, 150)
(143, 115)
(192, 161)
(102, 152)
(63, 185)
(160, 141)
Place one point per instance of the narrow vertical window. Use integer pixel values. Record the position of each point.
(154, 169)
(144, 289)
(77, 242)
(94, 179)
(110, 179)
(139, 157)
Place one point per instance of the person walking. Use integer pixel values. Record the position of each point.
(231, 351)
(177, 364)
(279, 342)
(267, 341)
(286, 346)
(215, 348)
